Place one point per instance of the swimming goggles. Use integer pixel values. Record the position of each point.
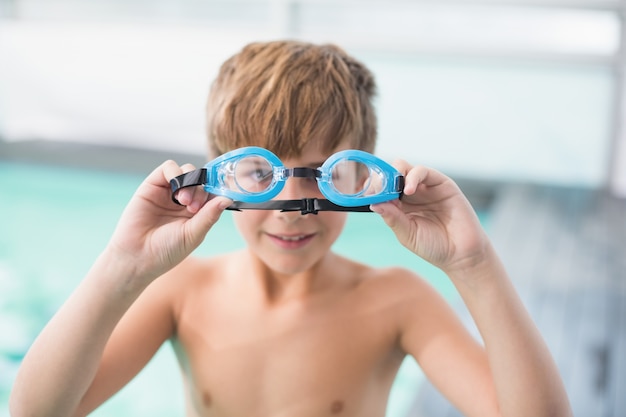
(351, 180)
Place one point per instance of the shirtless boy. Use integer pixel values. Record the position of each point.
(286, 327)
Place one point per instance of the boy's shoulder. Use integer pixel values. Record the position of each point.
(393, 283)
(192, 274)
(397, 280)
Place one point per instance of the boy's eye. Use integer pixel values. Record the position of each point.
(259, 174)
(344, 176)
(253, 174)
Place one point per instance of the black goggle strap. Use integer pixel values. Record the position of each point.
(304, 206)
(189, 179)
(399, 184)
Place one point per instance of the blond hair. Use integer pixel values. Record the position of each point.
(281, 95)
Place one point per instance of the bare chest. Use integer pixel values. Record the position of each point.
(313, 361)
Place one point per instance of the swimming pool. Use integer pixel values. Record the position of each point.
(54, 221)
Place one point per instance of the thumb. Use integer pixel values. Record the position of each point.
(206, 217)
(395, 218)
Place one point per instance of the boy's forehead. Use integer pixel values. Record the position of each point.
(305, 160)
(315, 151)
(314, 154)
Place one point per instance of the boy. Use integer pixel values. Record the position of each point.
(286, 326)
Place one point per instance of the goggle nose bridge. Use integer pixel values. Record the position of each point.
(300, 172)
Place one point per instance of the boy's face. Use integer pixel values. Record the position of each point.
(289, 242)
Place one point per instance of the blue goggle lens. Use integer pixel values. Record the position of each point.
(247, 175)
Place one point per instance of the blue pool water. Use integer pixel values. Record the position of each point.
(53, 223)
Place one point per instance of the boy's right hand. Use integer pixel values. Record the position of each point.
(154, 234)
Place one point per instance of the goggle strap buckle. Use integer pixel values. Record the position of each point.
(309, 206)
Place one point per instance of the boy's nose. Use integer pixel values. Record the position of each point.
(293, 190)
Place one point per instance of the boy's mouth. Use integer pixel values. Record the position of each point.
(291, 238)
(291, 241)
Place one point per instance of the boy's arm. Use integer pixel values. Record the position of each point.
(153, 235)
(64, 359)
(435, 221)
(526, 379)
(137, 336)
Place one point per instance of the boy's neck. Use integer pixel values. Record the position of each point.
(278, 288)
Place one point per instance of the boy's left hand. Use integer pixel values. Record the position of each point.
(434, 219)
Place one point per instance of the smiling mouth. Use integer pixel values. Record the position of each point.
(291, 238)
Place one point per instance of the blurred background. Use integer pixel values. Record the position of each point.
(520, 101)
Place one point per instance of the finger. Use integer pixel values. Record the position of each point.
(419, 175)
(170, 169)
(414, 178)
(160, 178)
(162, 174)
(410, 173)
(207, 216)
(184, 196)
(430, 177)
(192, 197)
(402, 166)
(395, 218)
